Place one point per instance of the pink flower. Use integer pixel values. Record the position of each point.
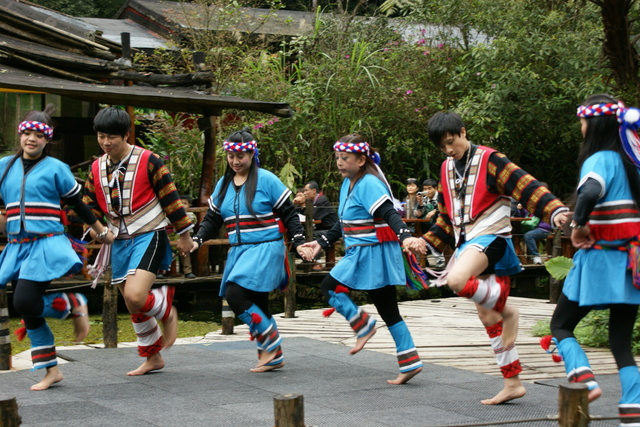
(426, 52)
(409, 92)
(347, 56)
(258, 126)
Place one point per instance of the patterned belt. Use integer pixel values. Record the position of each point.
(30, 239)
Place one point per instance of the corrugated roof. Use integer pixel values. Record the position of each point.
(141, 37)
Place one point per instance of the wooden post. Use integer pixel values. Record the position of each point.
(290, 293)
(9, 412)
(208, 126)
(227, 318)
(5, 335)
(110, 313)
(573, 405)
(289, 410)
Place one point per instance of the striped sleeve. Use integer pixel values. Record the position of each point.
(89, 197)
(168, 195)
(509, 179)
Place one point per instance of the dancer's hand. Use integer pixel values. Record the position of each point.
(560, 219)
(581, 237)
(309, 250)
(185, 244)
(415, 244)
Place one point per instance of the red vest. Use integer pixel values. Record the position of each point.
(478, 197)
(140, 207)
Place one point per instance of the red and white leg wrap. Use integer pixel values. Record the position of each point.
(507, 357)
(159, 302)
(491, 293)
(148, 333)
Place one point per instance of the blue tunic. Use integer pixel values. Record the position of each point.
(600, 277)
(256, 258)
(35, 200)
(367, 263)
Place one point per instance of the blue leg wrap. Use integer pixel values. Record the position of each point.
(263, 329)
(408, 358)
(359, 319)
(576, 364)
(43, 349)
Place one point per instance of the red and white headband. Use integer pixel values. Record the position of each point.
(240, 146)
(37, 126)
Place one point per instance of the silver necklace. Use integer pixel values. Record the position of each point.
(461, 177)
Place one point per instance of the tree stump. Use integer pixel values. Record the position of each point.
(573, 405)
(227, 318)
(110, 313)
(9, 412)
(289, 410)
(5, 334)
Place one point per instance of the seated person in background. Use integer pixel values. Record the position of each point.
(411, 202)
(185, 260)
(540, 232)
(322, 211)
(299, 201)
(429, 209)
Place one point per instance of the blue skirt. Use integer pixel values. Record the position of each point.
(127, 255)
(40, 260)
(600, 277)
(508, 265)
(259, 267)
(371, 267)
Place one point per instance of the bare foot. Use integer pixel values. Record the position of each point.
(404, 377)
(594, 394)
(153, 363)
(80, 322)
(267, 368)
(510, 322)
(513, 389)
(170, 328)
(52, 376)
(266, 357)
(360, 342)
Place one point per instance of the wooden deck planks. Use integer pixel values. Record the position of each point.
(448, 332)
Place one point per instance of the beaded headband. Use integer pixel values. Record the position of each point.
(37, 126)
(357, 147)
(629, 119)
(595, 110)
(240, 146)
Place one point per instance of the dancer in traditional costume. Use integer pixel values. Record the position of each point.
(605, 229)
(32, 184)
(132, 188)
(474, 203)
(373, 234)
(254, 206)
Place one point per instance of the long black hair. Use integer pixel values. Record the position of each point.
(603, 134)
(252, 178)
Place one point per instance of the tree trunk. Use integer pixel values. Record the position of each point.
(618, 48)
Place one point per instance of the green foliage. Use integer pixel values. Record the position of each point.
(515, 78)
(558, 267)
(91, 8)
(593, 331)
(63, 331)
(177, 140)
